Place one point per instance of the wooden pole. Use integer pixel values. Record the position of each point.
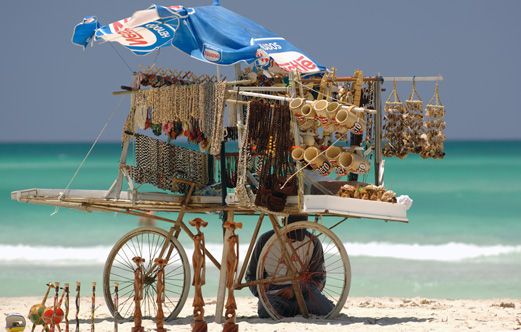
(238, 280)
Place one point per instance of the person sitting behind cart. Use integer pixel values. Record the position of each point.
(281, 296)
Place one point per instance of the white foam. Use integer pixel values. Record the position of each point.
(446, 252)
(97, 255)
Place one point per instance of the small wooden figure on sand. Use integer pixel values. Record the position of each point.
(53, 316)
(66, 292)
(199, 265)
(138, 293)
(92, 306)
(116, 306)
(160, 318)
(77, 303)
(232, 261)
(37, 310)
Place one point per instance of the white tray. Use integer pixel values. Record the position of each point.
(355, 207)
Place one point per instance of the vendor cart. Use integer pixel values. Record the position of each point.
(196, 181)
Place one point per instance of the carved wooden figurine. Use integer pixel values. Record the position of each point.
(77, 303)
(232, 260)
(116, 306)
(138, 293)
(199, 265)
(92, 306)
(66, 291)
(36, 311)
(160, 318)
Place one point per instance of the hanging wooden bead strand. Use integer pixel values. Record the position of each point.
(414, 119)
(433, 136)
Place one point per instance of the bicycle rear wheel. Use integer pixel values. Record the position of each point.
(324, 283)
(145, 242)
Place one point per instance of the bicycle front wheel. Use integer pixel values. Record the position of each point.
(146, 242)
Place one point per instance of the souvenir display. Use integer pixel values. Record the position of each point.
(396, 135)
(368, 192)
(414, 123)
(160, 163)
(433, 136)
(269, 135)
(199, 108)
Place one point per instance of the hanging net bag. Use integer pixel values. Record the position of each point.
(413, 121)
(395, 126)
(433, 136)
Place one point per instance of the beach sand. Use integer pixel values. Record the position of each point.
(359, 314)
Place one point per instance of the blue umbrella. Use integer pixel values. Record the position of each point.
(212, 34)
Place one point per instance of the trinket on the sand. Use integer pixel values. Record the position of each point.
(14, 322)
(37, 310)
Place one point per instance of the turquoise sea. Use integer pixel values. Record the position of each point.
(463, 239)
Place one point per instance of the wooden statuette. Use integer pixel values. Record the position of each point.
(66, 292)
(116, 306)
(93, 306)
(232, 260)
(199, 265)
(160, 318)
(77, 304)
(138, 294)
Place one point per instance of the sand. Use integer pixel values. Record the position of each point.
(359, 314)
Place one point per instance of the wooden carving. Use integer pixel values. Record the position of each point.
(138, 293)
(199, 265)
(160, 318)
(232, 260)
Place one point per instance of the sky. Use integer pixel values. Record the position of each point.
(53, 91)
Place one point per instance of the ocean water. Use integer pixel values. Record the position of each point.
(463, 239)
